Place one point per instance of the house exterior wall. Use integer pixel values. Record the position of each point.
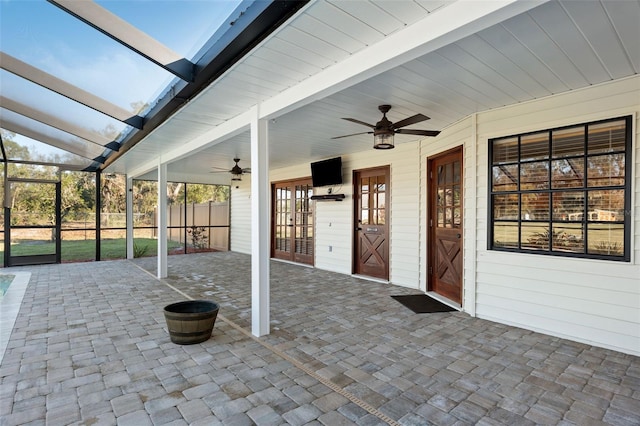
(334, 219)
(588, 300)
(240, 237)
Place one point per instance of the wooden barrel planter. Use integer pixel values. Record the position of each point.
(191, 321)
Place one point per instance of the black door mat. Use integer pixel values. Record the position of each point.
(422, 304)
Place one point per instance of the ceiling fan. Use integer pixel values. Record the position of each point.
(236, 171)
(384, 129)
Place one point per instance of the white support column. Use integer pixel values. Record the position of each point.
(260, 243)
(129, 210)
(469, 243)
(162, 220)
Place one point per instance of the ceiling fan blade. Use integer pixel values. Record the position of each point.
(410, 120)
(353, 120)
(353, 134)
(219, 171)
(418, 132)
(220, 168)
(247, 170)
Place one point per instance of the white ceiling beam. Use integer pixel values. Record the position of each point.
(174, 176)
(85, 152)
(218, 134)
(55, 84)
(61, 166)
(126, 34)
(447, 25)
(442, 27)
(57, 123)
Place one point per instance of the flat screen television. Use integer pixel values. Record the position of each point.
(327, 172)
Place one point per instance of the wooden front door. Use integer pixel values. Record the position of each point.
(445, 224)
(371, 216)
(292, 221)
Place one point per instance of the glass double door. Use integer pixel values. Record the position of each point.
(32, 229)
(292, 218)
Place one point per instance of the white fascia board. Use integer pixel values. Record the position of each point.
(441, 28)
(218, 134)
(209, 179)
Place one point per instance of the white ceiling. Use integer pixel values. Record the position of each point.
(552, 48)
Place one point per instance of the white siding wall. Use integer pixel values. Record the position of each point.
(333, 227)
(404, 247)
(241, 216)
(333, 219)
(591, 301)
(406, 220)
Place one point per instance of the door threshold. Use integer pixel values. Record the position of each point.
(291, 262)
(368, 278)
(444, 300)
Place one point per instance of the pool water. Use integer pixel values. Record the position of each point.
(5, 282)
(10, 303)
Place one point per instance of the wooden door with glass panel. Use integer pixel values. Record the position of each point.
(445, 225)
(292, 221)
(371, 198)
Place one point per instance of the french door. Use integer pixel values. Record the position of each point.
(371, 211)
(292, 236)
(445, 224)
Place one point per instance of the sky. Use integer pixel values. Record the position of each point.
(46, 37)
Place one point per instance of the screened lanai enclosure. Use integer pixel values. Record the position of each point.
(116, 116)
(67, 113)
(52, 216)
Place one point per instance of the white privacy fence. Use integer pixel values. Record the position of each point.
(203, 225)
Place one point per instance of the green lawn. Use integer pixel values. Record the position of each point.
(79, 250)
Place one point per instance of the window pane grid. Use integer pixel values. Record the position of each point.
(559, 191)
(449, 194)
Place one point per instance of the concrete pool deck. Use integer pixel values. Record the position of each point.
(10, 305)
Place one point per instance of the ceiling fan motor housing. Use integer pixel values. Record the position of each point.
(236, 170)
(383, 132)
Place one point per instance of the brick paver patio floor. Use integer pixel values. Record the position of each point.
(90, 347)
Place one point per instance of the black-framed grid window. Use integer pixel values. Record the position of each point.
(564, 191)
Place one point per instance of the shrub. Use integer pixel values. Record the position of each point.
(139, 251)
(198, 235)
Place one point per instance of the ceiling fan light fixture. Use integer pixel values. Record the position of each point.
(383, 139)
(236, 178)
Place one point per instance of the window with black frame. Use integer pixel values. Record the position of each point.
(563, 191)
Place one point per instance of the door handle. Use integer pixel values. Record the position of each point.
(458, 235)
(358, 228)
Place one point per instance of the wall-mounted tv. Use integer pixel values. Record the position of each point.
(327, 172)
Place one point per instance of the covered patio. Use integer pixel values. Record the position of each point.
(534, 110)
(517, 202)
(90, 346)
